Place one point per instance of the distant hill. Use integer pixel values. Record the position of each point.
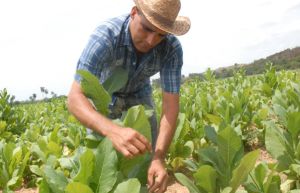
(288, 59)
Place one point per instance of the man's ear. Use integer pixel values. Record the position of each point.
(133, 12)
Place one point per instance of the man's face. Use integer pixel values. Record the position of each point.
(144, 35)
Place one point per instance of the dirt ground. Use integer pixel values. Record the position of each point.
(173, 186)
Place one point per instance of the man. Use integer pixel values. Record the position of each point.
(143, 43)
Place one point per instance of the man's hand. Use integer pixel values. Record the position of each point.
(129, 142)
(157, 177)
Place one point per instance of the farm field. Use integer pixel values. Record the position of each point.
(239, 134)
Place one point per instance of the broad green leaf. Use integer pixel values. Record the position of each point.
(277, 146)
(260, 173)
(180, 123)
(25, 159)
(12, 181)
(3, 125)
(4, 177)
(19, 167)
(211, 134)
(211, 156)
(93, 140)
(120, 178)
(129, 186)
(214, 119)
(77, 187)
(105, 172)
(206, 177)
(241, 172)
(36, 170)
(274, 186)
(44, 187)
(177, 162)
(226, 190)
(16, 158)
(87, 162)
(95, 91)
(66, 163)
(8, 153)
(56, 180)
(54, 136)
(274, 140)
(267, 89)
(263, 113)
(294, 97)
(293, 125)
(297, 151)
(51, 161)
(35, 149)
(54, 148)
(242, 191)
(144, 189)
(136, 119)
(140, 171)
(295, 168)
(116, 80)
(229, 143)
(281, 113)
(294, 191)
(187, 183)
(188, 148)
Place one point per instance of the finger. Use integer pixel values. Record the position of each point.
(145, 142)
(150, 179)
(156, 184)
(132, 149)
(140, 146)
(126, 153)
(163, 187)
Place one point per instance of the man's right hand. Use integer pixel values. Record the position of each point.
(125, 140)
(129, 142)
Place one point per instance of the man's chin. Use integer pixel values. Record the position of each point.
(144, 50)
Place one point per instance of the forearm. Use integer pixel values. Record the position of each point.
(167, 127)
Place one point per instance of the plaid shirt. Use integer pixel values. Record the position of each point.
(110, 46)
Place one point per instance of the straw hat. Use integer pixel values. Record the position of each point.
(163, 14)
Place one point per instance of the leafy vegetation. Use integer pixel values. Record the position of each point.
(221, 127)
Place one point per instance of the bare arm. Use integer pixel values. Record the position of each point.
(83, 110)
(170, 109)
(157, 175)
(125, 140)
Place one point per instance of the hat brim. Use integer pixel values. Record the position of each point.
(180, 27)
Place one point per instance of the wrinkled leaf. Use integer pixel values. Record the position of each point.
(94, 90)
(129, 186)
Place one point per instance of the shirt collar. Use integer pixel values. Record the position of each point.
(126, 37)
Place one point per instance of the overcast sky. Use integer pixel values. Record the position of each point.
(41, 40)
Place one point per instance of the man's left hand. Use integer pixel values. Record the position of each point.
(157, 177)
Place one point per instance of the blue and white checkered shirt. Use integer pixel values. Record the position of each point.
(110, 46)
